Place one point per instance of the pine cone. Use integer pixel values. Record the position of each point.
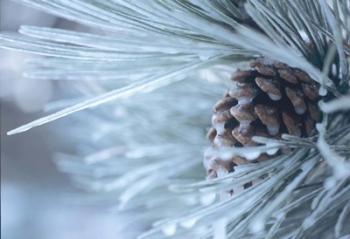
(269, 100)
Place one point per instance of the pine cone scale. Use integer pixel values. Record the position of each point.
(270, 87)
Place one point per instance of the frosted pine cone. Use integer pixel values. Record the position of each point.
(269, 100)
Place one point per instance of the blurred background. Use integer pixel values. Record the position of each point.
(36, 200)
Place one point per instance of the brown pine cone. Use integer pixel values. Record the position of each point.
(269, 100)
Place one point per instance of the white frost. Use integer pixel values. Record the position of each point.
(169, 229)
(188, 223)
(207, 199)
(220, 229)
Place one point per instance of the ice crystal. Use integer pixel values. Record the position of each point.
(160, 66)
